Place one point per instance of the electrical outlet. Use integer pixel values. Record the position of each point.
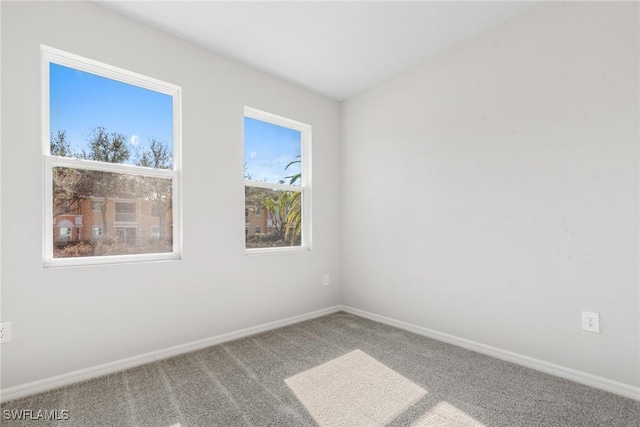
(591, 321)
(5, 332)
(325, 280)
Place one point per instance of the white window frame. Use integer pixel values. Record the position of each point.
(52, 55)
(93, 232)
(305, 182)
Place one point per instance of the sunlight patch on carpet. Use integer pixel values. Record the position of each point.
(445, 414)
(354, 390)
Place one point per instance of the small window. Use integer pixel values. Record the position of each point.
(97, 232)
(125, 212)
(127, 235)
(277, 169)
(65, 234)
(155, 232)
(111, 148)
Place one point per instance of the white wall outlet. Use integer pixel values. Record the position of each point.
(5, 332)
(325, 280)
(591, 321)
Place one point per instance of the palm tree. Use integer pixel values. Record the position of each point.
(294, 215)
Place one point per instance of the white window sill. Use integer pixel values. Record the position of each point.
(278, 250)
(109, 260)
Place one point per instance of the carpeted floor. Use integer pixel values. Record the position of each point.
(242, 383)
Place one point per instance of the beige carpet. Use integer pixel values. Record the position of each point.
(444, 414)
(354, 390)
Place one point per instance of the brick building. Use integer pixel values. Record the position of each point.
(133, 222)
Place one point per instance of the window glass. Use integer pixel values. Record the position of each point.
(108, 120)
(282, 225)
(271, 152)
(77, 186)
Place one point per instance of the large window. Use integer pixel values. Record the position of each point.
(111, 141)
(277, 168)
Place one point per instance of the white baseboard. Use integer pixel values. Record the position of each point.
(605, 384)
(130, 362)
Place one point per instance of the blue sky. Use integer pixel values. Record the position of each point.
(268, 149)
(80, 101)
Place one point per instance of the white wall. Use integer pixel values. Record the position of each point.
(492, 193)
(65, 319)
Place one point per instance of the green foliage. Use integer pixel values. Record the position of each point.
(157, 156)
(111, 245)
(68, 184)
(74, 250)
(296, 177)
(293, 225)
(59, 146)
(107, 147)
(284, 210)
(158, 191)
(261, 240)
(271, 240)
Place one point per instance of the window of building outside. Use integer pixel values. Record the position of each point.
(65, 234)
(126, 211)
(97, 232)
(111, 142)
(277, 173)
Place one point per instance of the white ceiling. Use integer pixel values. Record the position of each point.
(336, 49)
